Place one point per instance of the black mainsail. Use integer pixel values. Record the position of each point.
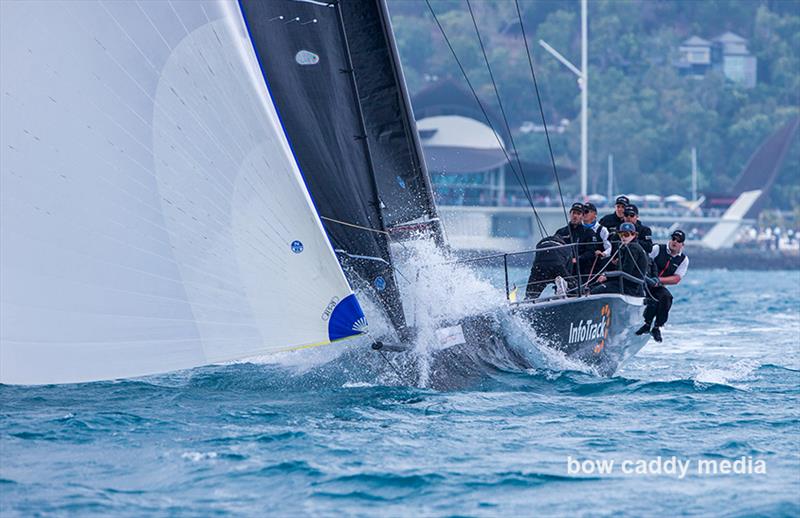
(336, 81)
(400, 173)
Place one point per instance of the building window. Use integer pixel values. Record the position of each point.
(512, 225)
(700, 56)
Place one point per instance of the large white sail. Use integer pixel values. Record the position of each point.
(153, 216)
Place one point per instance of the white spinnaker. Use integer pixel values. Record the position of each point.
(152, 211)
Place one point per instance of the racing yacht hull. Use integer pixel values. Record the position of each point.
(596, 332)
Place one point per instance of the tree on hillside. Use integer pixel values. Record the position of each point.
(640, 108)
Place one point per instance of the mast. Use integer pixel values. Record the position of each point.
(583, 84)
(694, 173)
(584, 100)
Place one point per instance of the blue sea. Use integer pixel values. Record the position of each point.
(287, 438)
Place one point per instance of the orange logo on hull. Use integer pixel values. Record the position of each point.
(605, 313)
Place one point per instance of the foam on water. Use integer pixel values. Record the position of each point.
(437, 291)
(732, 375)
(327, 431)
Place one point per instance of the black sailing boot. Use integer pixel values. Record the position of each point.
(644, 329)
(656, 332)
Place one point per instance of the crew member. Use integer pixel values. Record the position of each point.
(575, 233)
(632, 259)
(550, 261)
(644, 234)
(670, 265)
(615, 219)
(602, 249)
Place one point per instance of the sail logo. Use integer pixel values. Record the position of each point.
(590, 329)
(329, 308)
(297, 247)
(360, 325)
(305, 57)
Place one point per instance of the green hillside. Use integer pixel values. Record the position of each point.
(641, 108)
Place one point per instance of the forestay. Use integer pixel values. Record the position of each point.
(153, 215)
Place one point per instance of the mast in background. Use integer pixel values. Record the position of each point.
(583, 83)
(694, 174)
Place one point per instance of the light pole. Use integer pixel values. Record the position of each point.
(583, 83)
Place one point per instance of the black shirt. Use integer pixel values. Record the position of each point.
(585, 237)
(634, 261)
(644, 237)
(611, 222)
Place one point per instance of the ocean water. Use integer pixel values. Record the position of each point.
(295, 436)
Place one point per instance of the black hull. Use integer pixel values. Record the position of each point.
(598, 331)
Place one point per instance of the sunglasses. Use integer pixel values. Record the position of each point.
(625, 234)
(677, 240)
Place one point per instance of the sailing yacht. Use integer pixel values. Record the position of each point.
(186, 183)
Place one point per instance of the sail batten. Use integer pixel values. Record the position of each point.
(153, 214)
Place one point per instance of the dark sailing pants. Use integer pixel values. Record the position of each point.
(540, 275)
(660, 307)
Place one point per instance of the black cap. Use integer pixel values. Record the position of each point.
(622, 200)
(577, 207)
(679, 236)
(589, 207)
(631, 210)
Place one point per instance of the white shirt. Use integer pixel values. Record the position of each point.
(681, 270)
(603, 233)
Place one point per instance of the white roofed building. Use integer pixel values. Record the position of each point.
(727, 53)
(737, 63)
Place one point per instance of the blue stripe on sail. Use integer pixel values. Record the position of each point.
(347, 319)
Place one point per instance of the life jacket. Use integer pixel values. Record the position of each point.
(592, 235)
(666, 264)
